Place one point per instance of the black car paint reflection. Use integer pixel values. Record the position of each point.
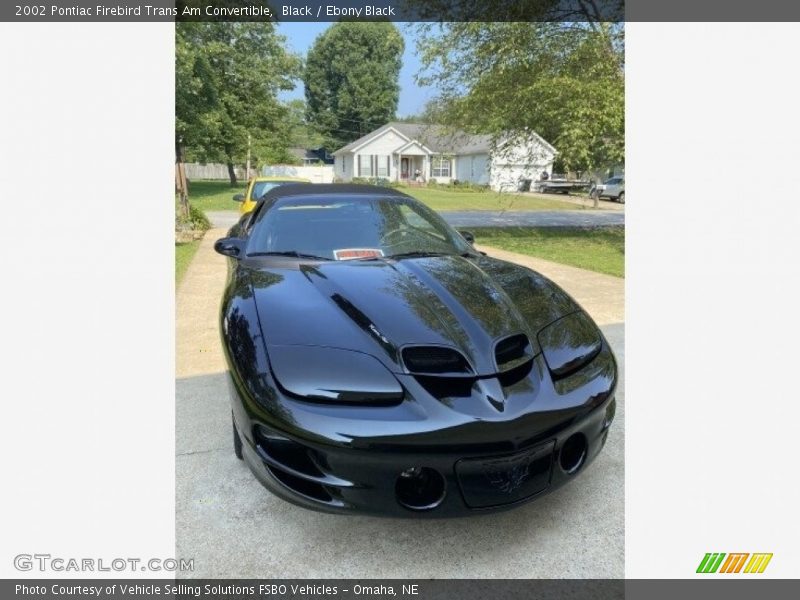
(330, 412)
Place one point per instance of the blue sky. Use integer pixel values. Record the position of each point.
(300, 37)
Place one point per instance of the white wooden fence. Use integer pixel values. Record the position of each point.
(212, 171)
(314, 173)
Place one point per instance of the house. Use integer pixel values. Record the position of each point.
(412, 151)
(312, 156)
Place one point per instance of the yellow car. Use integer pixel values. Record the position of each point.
(259, 186)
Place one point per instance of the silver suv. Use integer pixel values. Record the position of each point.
(613, 189)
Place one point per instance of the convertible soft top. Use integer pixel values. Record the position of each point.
(323, 189)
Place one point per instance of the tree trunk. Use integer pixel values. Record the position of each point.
(181, 185)
(232, 174)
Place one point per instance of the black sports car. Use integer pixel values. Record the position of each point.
(380, 364)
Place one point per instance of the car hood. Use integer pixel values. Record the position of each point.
(380, 306)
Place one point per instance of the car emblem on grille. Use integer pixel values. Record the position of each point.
(508, 475)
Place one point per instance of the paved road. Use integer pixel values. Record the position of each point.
(555, 218)
(232, 527)
(560, 218)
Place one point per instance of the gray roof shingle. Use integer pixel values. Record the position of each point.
(435, 137)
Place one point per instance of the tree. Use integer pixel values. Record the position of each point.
(351, 80)
(563, 11)
(302, 133)
(564, 81)
(430, 114)
(227, 77)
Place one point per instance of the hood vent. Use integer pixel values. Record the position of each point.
(512, 352)
(435, 360)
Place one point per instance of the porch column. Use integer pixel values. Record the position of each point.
(397, 176)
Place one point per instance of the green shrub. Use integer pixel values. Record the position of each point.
(382, 181)
(196, 221)
(460, 186)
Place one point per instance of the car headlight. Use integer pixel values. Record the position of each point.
(570, 343)
(333, 375)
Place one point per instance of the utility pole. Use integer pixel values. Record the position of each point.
(248, 157)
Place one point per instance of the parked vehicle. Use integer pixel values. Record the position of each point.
(613, 189)
(560, 186)
(378, 363)
(257, 187)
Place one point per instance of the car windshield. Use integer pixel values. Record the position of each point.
(262, 187)
(342, 227)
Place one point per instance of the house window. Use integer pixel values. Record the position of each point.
(373, 165)
(440, 166)
(344, 160)
(365, 165)
(382, 166)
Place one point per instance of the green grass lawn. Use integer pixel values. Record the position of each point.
(444, 200)
(183, 256)
(214, 195)
(217, 195)
(600, 249)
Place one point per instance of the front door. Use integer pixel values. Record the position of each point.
(404, 168)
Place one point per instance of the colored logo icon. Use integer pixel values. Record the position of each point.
(736, 562)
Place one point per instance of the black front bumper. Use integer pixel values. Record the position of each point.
(372, 460)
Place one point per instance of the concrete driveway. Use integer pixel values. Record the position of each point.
(490, 218)
(232, 527)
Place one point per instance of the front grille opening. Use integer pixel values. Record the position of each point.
(288, 453)
(512, 351)
(435, 360)
(291, 456)
(447, 387)
(301, 486)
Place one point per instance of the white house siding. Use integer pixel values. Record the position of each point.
(343, 167)
(507, 178)
(511, 164)
(473, 168)
(383, 145)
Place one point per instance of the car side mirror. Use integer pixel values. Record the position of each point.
(230, 246)
(468, 235)
(238, 198)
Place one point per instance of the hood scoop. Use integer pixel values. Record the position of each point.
(512, 352)
(436, 360)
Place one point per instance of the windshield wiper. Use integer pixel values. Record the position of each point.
(290, 253)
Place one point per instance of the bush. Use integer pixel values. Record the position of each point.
(455, 185)
(195, 222)
(198, 219)
(470, 186)
(382, 181)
